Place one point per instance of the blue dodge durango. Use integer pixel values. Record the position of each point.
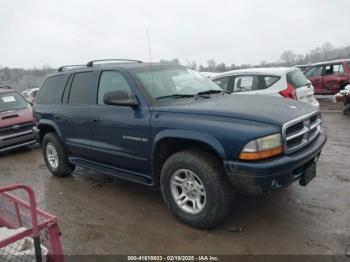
(169, 127)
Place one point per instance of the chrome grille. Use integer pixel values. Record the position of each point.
(16, 128)
(301, 131)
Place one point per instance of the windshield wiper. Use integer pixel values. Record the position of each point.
(211, 91)
(174, 96)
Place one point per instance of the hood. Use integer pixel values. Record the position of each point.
(266, 109)
(14, 117)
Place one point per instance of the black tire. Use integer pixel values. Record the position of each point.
(219, 193)
(64, 168)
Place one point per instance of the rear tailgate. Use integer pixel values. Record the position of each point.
(303, 88)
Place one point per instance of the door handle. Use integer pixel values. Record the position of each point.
(57, 117)
(95, 119)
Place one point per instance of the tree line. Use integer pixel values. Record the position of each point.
(22, 79)
(288, 58)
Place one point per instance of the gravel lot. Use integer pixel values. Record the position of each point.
(102, 215)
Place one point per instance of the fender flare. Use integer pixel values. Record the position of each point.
(191, 135)
(53, 125)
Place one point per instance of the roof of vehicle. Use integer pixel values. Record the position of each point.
(331, 62)
(209, 74)
(109, 65)
(302, 65)
(259, 71)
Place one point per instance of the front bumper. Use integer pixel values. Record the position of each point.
(262, 176)
(16, 140)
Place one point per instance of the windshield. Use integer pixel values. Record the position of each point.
(12, 101)
(175, 82)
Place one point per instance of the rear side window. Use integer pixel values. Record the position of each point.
(223, 82)
(297, 79)
(81, 88)
(49, 90)
(267, 81)
(333, 69)
(338, 69)
(245, 83)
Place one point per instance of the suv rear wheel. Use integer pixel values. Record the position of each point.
(55, 156)
(195, 189)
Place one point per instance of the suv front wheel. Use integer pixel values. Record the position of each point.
(55, 156)
(195, 189)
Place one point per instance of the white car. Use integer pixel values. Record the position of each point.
(30, 94)
(287, 82)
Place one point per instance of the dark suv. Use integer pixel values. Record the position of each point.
(168, 126)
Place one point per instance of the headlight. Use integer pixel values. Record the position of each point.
(262, 148)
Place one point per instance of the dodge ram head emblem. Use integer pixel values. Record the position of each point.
(16, 127)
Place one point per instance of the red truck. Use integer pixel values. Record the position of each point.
(16, 120)
(329, 77)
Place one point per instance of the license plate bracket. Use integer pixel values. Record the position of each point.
(308, 175)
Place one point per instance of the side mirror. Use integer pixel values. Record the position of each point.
(120, 98)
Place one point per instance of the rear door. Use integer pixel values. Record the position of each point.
(333, 77)
(314, 74)
(303, 89)
(73, 114)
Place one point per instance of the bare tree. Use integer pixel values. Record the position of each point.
(315, 55)
(175, 61)
(211, 65)
(300, 59)
(220, 67)
(288, 57)
(263, 63)
(193, 65)
(326, 49)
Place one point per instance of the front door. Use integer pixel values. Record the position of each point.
(314, 74)
(121, 134)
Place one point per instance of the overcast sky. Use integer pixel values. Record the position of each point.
(33, 33)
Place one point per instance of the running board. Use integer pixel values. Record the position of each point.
(130, 176)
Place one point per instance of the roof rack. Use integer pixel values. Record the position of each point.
(91, 63)
(60, 69)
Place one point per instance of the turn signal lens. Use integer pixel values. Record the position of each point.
(262, 154)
